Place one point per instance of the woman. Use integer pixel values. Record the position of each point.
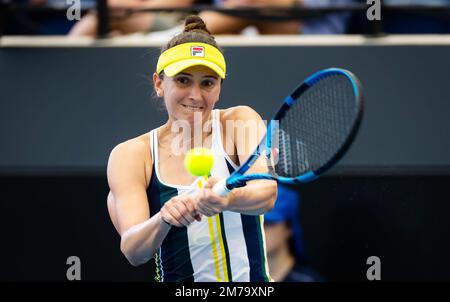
(201, 236)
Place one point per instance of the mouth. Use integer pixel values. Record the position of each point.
(192, 107)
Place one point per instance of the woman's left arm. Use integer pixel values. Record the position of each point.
(258, 196)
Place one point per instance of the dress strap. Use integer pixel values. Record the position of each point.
(154, 145)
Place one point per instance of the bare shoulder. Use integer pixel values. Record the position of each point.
(137, 148)
(132, 156)
(239, 113)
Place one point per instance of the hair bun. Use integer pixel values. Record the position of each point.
(195, 23)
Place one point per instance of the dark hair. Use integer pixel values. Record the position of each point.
(194, 31)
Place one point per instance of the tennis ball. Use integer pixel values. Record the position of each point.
(199, 161)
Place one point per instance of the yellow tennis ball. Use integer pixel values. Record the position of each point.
(199, 161)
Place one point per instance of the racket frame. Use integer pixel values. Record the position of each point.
(238, 179)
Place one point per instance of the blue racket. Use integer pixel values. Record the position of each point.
(311, 132)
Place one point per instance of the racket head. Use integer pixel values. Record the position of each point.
(322, 113)
(315, 126)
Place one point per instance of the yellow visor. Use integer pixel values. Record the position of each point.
(178, 58)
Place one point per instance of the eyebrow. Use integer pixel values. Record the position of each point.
(211, 76)
(206, 76)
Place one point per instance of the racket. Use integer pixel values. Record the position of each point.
(310, 133)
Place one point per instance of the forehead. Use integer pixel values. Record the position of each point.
(200, 71)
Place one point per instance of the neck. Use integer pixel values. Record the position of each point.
(192, 133)
(281, 262)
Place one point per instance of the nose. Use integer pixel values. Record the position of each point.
(195, 93)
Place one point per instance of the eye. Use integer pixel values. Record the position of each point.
(208, 83)
(182, 80)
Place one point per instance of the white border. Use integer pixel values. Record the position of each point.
(139, 40)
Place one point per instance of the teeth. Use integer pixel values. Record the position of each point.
(192, 107)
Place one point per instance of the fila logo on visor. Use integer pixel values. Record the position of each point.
(197, 51)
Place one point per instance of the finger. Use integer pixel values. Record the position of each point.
(168, 217)
(275, 154)
(189, 202)
(203, 208)
(172, 217)
(184, 216)
(175, 212)
(186, 209)
(207, 210)
(197, 215)
(213, 200)
(202, 204)
(275, 151)
(211, 182)
(188, 215)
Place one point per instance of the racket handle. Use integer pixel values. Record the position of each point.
(221, 189)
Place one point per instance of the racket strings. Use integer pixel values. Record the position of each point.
(316, 126)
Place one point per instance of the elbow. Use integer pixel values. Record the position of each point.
(130, 253)
(132, 261)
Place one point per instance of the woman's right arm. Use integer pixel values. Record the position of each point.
(141, 235)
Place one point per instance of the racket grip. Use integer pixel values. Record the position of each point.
(221, 189)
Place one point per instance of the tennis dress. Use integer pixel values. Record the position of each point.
(226, 247)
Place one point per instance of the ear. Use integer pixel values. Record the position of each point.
(157, 83)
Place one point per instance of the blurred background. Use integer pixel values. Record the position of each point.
(71, 90)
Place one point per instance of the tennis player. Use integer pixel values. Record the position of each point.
(192, 237)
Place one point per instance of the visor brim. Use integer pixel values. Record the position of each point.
(179, 66)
